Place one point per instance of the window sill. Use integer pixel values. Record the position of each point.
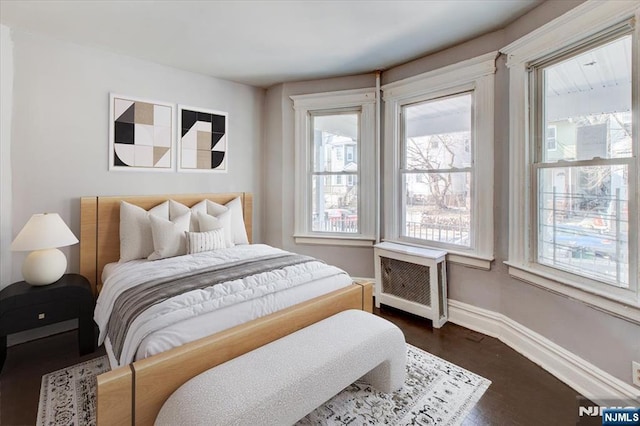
(469, 260)
(458, 257)
(334, 240)
(628, 310)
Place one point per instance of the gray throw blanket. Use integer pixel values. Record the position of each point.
(136, 300)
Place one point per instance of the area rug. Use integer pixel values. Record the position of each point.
(68, 396)
(435, 392)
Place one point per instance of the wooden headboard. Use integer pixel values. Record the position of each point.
(100, 226)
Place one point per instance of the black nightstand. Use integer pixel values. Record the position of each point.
(24, 307)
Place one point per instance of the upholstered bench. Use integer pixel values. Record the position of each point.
(283, 381)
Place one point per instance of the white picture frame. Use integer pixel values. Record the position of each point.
(141, 134)
(202, 140)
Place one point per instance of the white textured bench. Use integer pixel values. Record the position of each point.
(283, 381)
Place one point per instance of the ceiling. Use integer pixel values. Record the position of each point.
(262, 43)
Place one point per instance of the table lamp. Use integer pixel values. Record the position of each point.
(42, 235)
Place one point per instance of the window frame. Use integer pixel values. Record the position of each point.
(306, 106)
(538, 163)
(587, 22)
(475, 75)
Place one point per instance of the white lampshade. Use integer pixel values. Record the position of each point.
(42, 234)
(44, 231)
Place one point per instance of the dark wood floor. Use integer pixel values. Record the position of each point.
(521, 392)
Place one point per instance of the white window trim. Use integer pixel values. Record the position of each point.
(475, 74)
(303, 105)
(578, 24)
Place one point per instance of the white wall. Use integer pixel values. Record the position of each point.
(606, 341)
(272, 165)
(6, 101)
(60, 130)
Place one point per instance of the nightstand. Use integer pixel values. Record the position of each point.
(24, 307)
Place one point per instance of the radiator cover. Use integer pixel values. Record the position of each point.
(412, 279)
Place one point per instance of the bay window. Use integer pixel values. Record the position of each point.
(574, 110)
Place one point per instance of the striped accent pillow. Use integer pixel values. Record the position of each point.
(198, 242)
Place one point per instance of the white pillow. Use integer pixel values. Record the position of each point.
(209, 223)
(215, 209)
(136, 241)
(169, 236)
(205, 206)
(198, 242)
(177, 209)
(238, 231)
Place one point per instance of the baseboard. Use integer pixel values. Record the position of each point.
(584, 377)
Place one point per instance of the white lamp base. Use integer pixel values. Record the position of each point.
(42, 267)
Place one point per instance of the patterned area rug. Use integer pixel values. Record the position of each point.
(435, 392)
(68, 396)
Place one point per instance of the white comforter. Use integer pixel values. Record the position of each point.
(199, 313)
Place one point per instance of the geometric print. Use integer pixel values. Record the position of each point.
(142, 134)
(203, 139)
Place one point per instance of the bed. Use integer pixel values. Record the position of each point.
(134, 392)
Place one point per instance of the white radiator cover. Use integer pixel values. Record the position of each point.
(413, 279)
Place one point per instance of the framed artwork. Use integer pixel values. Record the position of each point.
(141, 134)
(202, 140)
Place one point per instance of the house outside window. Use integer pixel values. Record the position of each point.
(574, 189)
(439, 158)
(551, 138)
(335, 172)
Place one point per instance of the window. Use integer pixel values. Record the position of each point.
(574, 157)
(436, 171)
(335, 140)
(437, 124)
(582, 201)
(335, 207)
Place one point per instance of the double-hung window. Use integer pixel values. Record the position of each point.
(439, 160)
(436, 171)
(574, 153)
(335, 167)
(582, 190)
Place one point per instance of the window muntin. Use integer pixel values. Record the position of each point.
(436, 170)
(582, 186)
(334, 206)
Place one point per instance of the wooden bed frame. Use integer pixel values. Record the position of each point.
(133, 394)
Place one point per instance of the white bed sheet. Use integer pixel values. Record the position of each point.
(211, 322)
